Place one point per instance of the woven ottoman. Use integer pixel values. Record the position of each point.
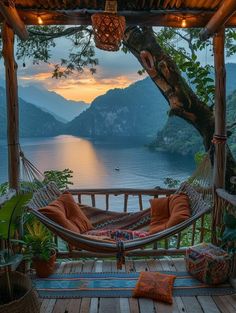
(208, 263)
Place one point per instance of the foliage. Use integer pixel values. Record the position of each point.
(61, 178)
(4, 187)
(43, 39)
(229, 234)
(198, 157)
(171, 182)
(38, 241)
(10, 213)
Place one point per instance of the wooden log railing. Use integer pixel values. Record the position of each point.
(226, 202)
(174, 245)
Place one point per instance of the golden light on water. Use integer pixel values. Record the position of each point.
(76, 154)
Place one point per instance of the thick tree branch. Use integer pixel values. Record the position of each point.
(181, 98)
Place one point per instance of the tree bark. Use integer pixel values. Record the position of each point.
(182, 100)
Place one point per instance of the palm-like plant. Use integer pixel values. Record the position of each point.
(38, 241)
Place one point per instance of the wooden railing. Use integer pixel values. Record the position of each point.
(226, 202)
(173, 245)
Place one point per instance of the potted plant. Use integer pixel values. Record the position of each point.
(40, 247)
(16, 290)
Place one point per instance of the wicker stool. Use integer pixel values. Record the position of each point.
(208, 263)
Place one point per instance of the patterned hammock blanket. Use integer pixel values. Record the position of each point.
(114, 226)
(103, 220)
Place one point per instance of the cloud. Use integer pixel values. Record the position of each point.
(115, 70)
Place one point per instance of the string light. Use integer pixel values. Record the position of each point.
(40, 21)
(183, 23)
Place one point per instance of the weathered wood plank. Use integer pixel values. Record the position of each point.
(208, 304)
(223, 305)
(85, 305)
(192, 305)
(124, 305)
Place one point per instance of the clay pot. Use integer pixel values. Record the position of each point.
(45, 268)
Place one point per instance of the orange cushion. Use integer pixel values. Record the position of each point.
(66, 212)
(179, 209)
(159, 214)
(156, 286)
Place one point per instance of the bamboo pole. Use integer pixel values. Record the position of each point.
(220, 124)
(12, 106)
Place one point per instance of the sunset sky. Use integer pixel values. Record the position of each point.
(115, 70)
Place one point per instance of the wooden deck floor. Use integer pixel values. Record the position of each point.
(215, 304)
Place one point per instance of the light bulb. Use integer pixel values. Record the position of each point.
(40, 21)
(183, 24)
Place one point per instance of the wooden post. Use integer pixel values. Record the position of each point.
(220, 123)
(12, 106)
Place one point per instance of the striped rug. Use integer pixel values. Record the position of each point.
(114, 285)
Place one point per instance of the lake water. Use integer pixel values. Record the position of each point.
(94, 162)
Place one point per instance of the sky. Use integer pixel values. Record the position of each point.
(115, 70)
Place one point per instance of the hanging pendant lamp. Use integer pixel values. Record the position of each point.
(108, 27)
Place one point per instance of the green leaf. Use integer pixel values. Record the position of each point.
(229, 234)
(10, 213)
(229, 220)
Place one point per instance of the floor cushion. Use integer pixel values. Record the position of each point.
(67, 213)
(156, 286)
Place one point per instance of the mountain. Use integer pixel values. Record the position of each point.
(49, 101)
(33, 121)
(180, 137)
(139, 110)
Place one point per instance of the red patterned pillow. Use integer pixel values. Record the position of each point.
(156, 286)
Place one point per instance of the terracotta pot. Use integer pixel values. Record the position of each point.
(45, 268)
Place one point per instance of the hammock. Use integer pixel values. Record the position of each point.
(50, 192)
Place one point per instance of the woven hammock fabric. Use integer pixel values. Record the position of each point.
(50, 192)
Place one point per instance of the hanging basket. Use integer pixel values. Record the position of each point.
(108, 30)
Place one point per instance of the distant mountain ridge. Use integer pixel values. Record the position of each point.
(33, 121)
(51, 102)
(130, 112)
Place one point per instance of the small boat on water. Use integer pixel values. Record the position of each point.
(117, 169)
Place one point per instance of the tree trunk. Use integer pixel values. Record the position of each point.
(182, 100)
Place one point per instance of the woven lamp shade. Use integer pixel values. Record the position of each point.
(108, 30)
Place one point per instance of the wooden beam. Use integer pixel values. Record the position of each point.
(12, 106)
(220, 109)
(219, 19)
(171, 18)
(12, 17)
(220, 129)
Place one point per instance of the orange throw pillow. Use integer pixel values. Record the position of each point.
(159, 214)
(66, 212)
(156, 286)
(179, 209)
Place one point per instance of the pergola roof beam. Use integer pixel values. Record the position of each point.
(170, 18)
(219, 19)
(13, 19)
